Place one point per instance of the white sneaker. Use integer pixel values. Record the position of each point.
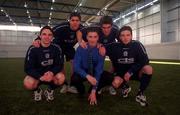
(49, 94)
(103, 90)
(142, 100)
(72, 89)
(112, 91)
(125, 92)
(38, 95)
(64, 88)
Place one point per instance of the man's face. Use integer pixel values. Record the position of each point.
(125, 36)
(92, 38)
(74, 23)
(46, 36)
(106, 29)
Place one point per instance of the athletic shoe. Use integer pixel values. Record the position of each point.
(112, 91)
(142, 100)
(72, 89)
(125, 92)
(38, 95)
(49, 94)
(103, 90)
(64, 88)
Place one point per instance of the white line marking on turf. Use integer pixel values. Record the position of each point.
(161, 62)
(158, 62)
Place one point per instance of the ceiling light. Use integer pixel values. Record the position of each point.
(2, 10)
(25, 5)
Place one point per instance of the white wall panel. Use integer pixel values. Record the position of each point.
(148, 20)
(173, 14)
(156, 18)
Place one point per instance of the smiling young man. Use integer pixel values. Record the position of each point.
(108, 33)
(65, 38)
(43, 65)
(130, 61)
(88, 66)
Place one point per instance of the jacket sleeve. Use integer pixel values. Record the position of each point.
(77, 63)
(30, 62)
(84, 33)
(58, 61)
(141, 59)
(98, 70)
(56, 32)
(108, 48)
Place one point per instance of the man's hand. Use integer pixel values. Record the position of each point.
(83, 44)
(127, 76)
(47, 77)
(36, 43)
(117, 81)
(92, 80)
(102, 51)
(92, 98)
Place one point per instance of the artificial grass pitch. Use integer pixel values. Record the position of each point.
(163, 95)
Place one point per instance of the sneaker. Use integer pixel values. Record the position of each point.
(72, 89)
(64, 89)
(103, 90)
(112, 91)
(38, 95)
(125, 92)
(100, 91)
(142, 100)
(49, 94)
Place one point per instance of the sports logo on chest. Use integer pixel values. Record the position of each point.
(72, 36)
(105, 40)
(47, 62)
(125, 53)
(47, 55)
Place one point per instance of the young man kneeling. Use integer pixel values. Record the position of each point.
(44, 65)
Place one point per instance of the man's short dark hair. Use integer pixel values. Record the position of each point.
(92, 29)
(46, 27)
(75, 14)
(124, 28)
(106, 20)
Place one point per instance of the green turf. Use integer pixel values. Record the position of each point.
(163, 95)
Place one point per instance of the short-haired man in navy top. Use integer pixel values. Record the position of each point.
(44, 65)
(130, 61)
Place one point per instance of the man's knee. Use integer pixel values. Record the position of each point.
(117, 82)
(147, 69)
(30, 83)
(59, 78)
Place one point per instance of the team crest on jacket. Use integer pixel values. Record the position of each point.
(105, 41)
(125, 53)
(47, 55)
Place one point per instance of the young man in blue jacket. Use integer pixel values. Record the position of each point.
(108, 33)
(88, 66)
(43, 65)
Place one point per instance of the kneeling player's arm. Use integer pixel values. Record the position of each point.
(29, 66)
(77, 64)
(99, 70)
(142, 59)
(58, 62)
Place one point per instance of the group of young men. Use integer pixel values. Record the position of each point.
(44, 63)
